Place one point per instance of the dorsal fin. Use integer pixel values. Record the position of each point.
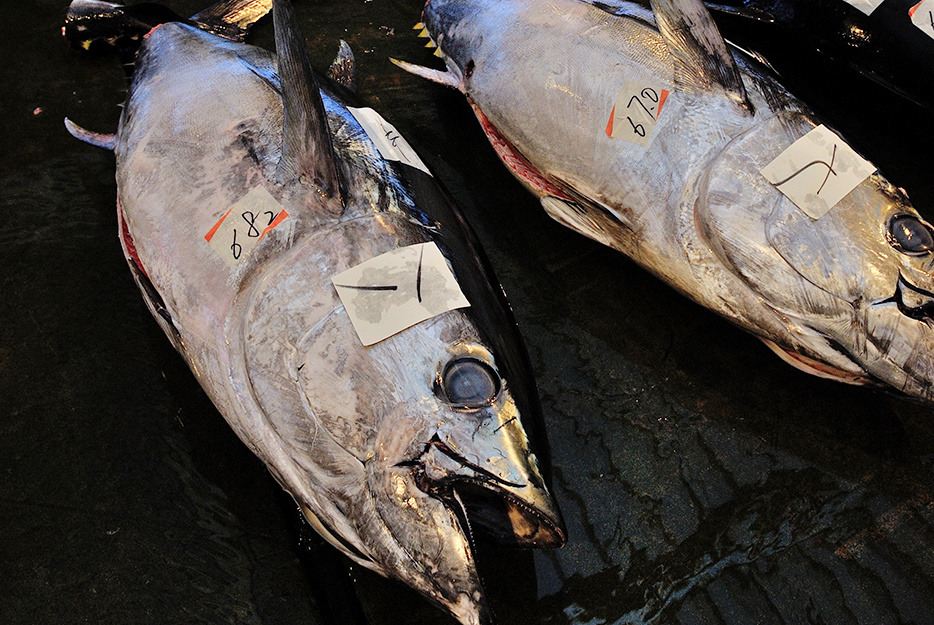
(343, 69)
(702, 60)
(306, 142)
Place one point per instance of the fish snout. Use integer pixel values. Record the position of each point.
(506, 500)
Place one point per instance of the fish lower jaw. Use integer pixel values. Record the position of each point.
(508, 513)
(817, 367)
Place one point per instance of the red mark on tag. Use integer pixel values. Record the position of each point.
(213, 230)
(911, 11)
(661, 102)
(275, 222)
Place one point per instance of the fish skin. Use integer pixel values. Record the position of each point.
(363, 438)
(832, 296)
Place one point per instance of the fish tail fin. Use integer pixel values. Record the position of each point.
(98, 26)
(232, 19)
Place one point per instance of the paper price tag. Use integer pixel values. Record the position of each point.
(817, 171)
(636, 112)
(922, 16)
(235, 234)
(397, 290)
(866, 6)
(391, 145)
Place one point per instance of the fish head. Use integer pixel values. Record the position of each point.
(853, 288)
(460, 30)
(417, 440)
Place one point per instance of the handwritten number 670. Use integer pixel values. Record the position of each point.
(652, 96)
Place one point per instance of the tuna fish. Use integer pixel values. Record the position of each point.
(272, 226)
(642, 129)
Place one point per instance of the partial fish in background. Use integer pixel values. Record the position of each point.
(644, 130)
(332, 302)
(890, 42)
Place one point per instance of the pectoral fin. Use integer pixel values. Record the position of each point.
(703, 61)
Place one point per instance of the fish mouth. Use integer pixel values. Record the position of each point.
(509, 512)
(819, 368)
(912, 301)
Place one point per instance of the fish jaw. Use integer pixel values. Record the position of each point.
(490, 471)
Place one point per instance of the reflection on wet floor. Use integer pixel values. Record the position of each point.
(703, 481)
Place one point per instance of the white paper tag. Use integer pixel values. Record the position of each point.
(636, 112)
(817, 171)
(396, 290)
(922, 16)
(391, 145)
(235, 234)
(866, 6)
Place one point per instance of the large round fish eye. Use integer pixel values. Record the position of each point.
(910, 235)
(469, 383)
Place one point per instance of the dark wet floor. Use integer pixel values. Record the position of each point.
(703, 480)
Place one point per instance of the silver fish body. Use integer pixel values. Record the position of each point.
(386, 448)
(847, 296)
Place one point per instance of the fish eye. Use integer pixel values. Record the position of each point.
(909, 235)
(469, 383)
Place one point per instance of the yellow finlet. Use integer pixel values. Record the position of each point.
(419, 26)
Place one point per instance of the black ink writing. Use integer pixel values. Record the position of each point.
(650, 95)
(388, 287)
(829, 166)
(418, 275)
(235, 248)
(250, 219)
(639, 129)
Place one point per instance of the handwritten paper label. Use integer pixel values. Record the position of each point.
(866, 6)
(817, 171)
(922, 16)
(636, 112)
(235, 234)
(391, 145)
(397, 290)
